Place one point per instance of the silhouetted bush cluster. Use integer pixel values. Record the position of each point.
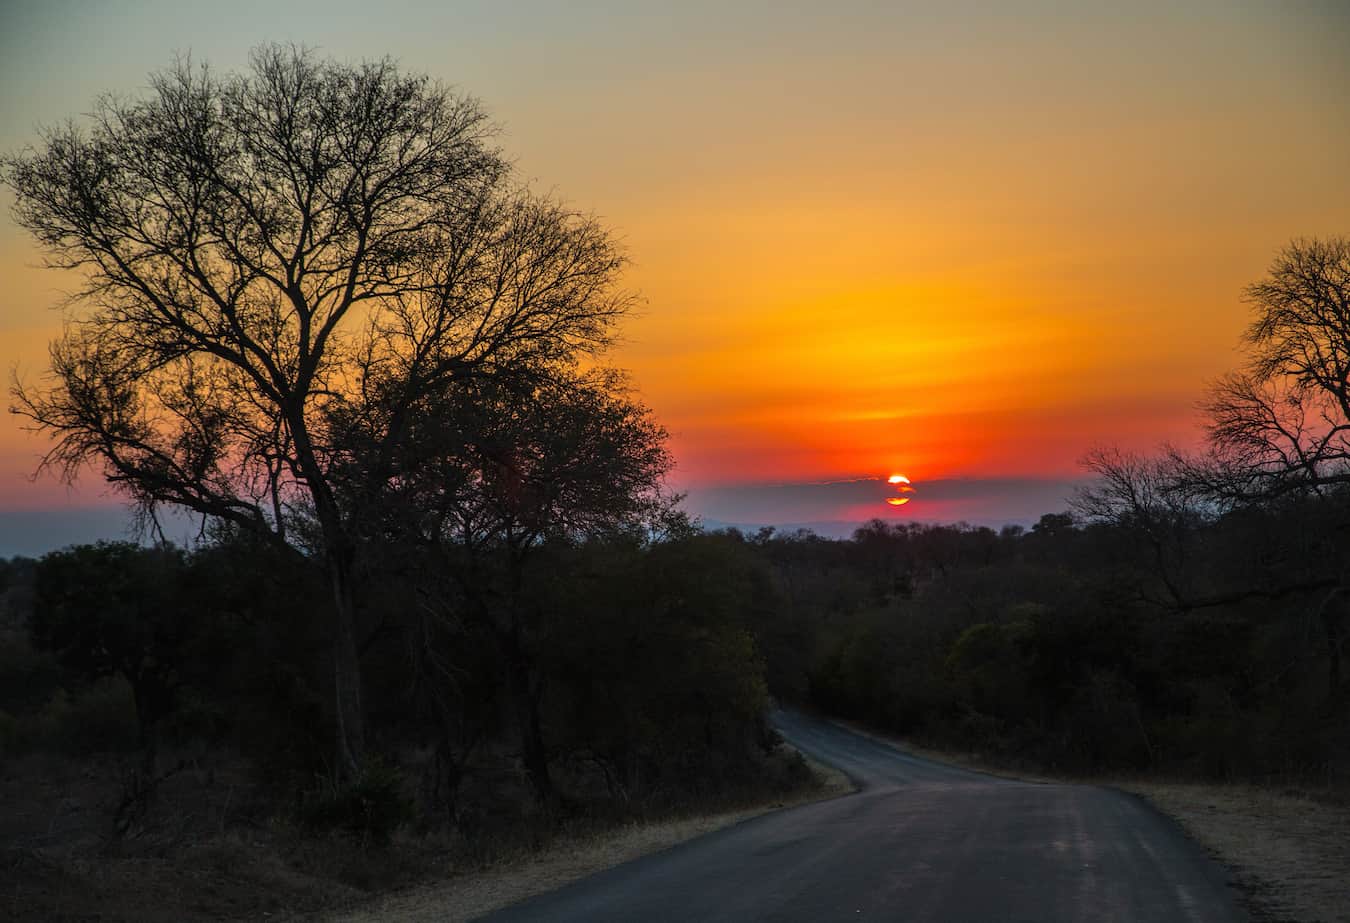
(372, 805)
(582, 676)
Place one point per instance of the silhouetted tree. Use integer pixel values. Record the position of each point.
(653, 671)
(1278, 433)
(264, 249)
(506, 475)
(1148, 498)
(116, 609)
(493, 473)
(1282, 424)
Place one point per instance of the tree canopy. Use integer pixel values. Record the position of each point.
(275, 256)
(1282, 423)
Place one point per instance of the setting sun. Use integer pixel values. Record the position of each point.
(902, 486)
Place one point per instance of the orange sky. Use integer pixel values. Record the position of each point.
(868, 240)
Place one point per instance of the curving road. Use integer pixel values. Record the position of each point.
(920, 841)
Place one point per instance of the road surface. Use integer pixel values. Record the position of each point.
(920, 841)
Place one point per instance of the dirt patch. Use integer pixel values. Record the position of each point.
(466, 896)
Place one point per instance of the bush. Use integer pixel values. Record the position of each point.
(28, 678)
(98, 719)
(786, 772)
(372, 806)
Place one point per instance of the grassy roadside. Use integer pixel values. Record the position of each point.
(186, 863)
(566, 859)
(1288, 851)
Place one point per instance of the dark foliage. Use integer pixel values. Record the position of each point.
(642, 682)
(1059, 647)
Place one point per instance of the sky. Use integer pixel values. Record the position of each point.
(869, 238)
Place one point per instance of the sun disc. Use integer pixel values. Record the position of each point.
(897, 501)
(897, 479)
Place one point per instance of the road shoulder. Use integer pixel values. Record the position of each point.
(469, 896)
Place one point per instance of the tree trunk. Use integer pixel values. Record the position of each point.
(349, 712)
(534, 751)
(149, 708)
(340, 557)
(1332, 610)
(524, 688)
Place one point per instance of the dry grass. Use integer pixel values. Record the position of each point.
(190, 862)
(1290, 854)
(469, 894)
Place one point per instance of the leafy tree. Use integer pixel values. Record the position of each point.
(497, 479)
(654, 676)
(260, 676)
(117, 609)
(270, 251)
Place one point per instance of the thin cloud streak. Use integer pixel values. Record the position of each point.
(981, 501)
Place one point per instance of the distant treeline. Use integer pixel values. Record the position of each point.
(638, 670)
(1218, 651)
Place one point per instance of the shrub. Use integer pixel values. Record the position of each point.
(372, 806)
(28, 677)
(98, 719)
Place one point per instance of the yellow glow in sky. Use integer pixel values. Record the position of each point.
(961, 243)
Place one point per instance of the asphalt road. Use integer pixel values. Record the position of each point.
(920, 841)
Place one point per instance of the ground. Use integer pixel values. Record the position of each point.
(199, 856)
(204, 855)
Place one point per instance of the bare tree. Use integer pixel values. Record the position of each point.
(1146, 496)
(266, 249)
(1278, 437)
(1279, 426)
(1282, 425)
